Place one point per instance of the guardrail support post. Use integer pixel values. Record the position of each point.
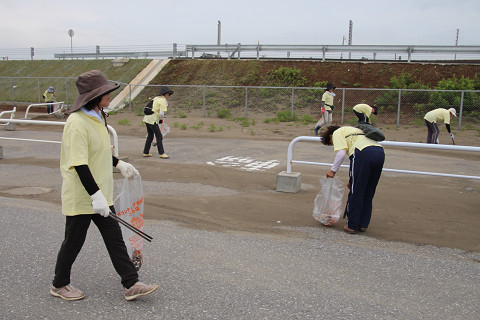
(289, 182)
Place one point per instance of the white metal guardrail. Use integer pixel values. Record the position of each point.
(371, 51)
(58, 108)
(58, 123)
(391, 144)
(12, 115)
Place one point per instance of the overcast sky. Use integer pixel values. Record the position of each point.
(45, 24)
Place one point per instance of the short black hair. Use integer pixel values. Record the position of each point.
(327, 133)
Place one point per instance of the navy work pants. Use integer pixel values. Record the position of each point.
(365, 170)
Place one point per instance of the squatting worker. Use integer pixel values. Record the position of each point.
(87, 190)
(326, 107)
(152, 121)
(366, 164)
(364, 111)
(431, 119)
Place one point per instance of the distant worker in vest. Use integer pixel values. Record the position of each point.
(49, 96)
(366, 164)
(326, 107)
(364, 111)
(152, 121)
(431, 119)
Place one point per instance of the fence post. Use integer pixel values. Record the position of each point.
(203, 101)
(461, 111)
(129, 97)
(246, 101)
(343, 106)
(398, 111)
(293, 98)
(66, 92)
(38, 87)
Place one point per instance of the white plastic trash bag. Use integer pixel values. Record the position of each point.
(129, 207)
(327, 207)
(164, 129)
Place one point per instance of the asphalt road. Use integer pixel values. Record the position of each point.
(216, 275)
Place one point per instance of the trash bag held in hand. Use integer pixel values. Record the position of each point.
(129, 207)
(164, 129)
(328, 203)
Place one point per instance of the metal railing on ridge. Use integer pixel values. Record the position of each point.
(406, 53)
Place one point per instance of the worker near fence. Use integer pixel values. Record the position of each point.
(87, 191)
(364, 111)
(326, 108)
(153, 121)
(431, 119)
(49, 96)
(366, 164)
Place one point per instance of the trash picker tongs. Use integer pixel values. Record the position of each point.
(129, 226)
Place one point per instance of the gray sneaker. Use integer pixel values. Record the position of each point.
(67, 292)
(139, 289)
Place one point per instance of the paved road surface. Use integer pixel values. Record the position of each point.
(215, 275)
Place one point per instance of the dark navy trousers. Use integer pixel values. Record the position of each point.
(365, 170)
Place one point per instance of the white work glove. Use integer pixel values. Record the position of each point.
(99, 204)
(126, 169)
(451, 135)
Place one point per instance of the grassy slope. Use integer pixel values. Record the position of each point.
(27, 89)
(218, 72)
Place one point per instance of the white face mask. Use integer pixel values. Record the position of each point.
(332, 93)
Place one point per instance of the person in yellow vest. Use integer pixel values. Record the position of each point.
(326, 108)
(366, 164)
(152, 121)
(431, 119)
(364, 111)
(49, 96)
(87, 191)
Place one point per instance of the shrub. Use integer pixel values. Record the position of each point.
(224, 113)
(306, 119)
(286, 116)
(286, 77)
(181, 114)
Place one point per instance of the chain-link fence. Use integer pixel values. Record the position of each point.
(396, 106)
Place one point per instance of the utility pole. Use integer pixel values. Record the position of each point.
(350, 32)
(456, 43)
(219, 36)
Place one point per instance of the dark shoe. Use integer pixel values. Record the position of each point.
(316, 130)
(362, 229)
(139, 289)
(348, 230)
(67, 293)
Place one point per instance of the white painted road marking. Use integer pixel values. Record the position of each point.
(245, 163)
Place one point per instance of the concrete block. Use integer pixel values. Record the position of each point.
(289, 182)
(10, 126)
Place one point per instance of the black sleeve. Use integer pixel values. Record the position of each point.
(114, 161)
(448, 127)
(87, 179)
